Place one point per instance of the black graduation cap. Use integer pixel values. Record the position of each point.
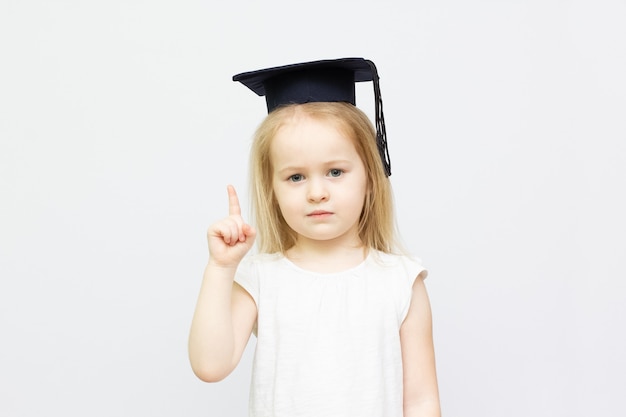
(330, 80)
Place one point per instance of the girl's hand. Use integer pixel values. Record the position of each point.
(231, 238)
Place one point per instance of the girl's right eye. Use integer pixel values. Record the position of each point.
(296, 178)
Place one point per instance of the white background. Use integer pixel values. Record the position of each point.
(120, 128)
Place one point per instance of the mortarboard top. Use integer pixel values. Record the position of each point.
(330, 80)
(327, 80)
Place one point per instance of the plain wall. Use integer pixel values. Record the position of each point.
(120, 128)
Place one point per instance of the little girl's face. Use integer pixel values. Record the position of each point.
(319, 181)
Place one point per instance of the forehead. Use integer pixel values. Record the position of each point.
(305, 139)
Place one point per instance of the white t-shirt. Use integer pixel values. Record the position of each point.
(328, 345)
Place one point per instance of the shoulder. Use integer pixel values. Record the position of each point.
(260, 260)
(253, 268)
(397, 274)
(408, 265)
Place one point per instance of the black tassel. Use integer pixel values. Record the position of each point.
(381, 133)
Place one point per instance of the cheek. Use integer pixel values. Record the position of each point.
(281, 198)
(362, 183)
(364, 194)
(276, 190)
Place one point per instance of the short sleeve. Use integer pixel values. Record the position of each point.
(247, 277)
(412, 269)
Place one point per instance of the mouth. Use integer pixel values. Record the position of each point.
(319, 214)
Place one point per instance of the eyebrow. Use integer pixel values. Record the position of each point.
(294, 168)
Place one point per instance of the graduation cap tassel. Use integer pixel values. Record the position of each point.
(381, 133)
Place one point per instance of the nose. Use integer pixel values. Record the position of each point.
(317, 190)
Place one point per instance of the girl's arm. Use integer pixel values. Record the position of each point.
(421, 393)
(225, 313)
(222, 323)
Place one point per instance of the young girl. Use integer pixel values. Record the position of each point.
(342, 320)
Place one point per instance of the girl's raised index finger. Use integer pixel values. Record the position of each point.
(233, 201)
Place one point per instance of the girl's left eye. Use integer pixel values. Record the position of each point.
(335, 172)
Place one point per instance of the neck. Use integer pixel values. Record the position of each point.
(323, 256)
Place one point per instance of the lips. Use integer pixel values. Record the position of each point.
(319, 213)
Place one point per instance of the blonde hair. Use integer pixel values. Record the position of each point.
(376, 224)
